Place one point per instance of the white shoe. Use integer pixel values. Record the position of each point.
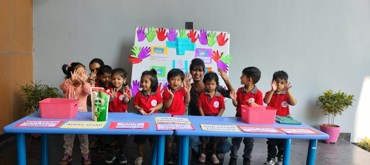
(202, 158)
(138, 161)
(269, 162)
(214, 159)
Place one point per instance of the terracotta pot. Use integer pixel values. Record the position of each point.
(333, 132)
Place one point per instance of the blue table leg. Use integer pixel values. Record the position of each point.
(179, 149)
(185, 150)
(287, 151)
(44, 149)
(311, 155)
(161, 148)
(155, 151)
(21, 148)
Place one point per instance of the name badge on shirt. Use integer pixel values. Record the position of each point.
(284, 104)
(251, 100)
(216, 104)
(153, 103)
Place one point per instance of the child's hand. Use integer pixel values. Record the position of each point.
(113, 94)
(223, 74)
(187, 84)
(273, 85)
(152, 110)
(141, 111)
(233, 95)
(170, 92)
(287, 86)
(127, 92)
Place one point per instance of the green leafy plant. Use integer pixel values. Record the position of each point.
(334, 103)
(365, 144)
(36, 91)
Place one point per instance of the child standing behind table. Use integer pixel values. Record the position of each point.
(210, 103)
(120, 97)
(250, 95)
(279, 97)
(94, 65)
(75, 86)
(175, 98)
(146, 102)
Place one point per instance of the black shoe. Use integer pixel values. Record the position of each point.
(109, 158)
(122, 158)
(246, 161)
(232, 161)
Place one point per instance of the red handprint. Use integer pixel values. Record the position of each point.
(216, 56)
(193, 36)
(221, 40)
(134, 60)
(161, 34)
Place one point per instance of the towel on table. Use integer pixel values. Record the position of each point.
(287, 120)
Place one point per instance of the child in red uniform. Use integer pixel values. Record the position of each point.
(210, 103)
(175, 98)
(146, 102)
(104, 77)
(94, 65)
(120, 97)
(278, 97)
(250, 95)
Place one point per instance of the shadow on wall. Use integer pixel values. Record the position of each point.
(313, 113)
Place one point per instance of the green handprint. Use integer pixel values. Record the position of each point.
(151, 34)
(211, 36)
(183, 33)
(226, 58)
(136, 50)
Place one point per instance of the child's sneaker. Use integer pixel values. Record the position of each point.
(269, 162)
(168, 161)
(232, 161)
(138, 161)
(122, 158)
(202, 158)
(214, 159)
(280, 160)
(67, 159)
(85, 160)
(246, 161)
(109, 158)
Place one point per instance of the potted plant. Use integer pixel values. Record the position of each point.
(333, 104)
(36, 91)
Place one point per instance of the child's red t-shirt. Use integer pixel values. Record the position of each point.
(280, 102)
(243, 97)
(211, 105)
(118, 104)
(147, 101)
(178, 105)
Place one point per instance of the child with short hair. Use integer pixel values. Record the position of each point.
(94, 65)
(250, 95)
(120, 97)
(210, 103)
(104, 75)
(75, 86)
(279, 97)
(175, 99)
(146, 102)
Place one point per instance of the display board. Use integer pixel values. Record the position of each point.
(163, 49)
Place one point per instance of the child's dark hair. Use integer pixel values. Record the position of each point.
(122, 72)
(104, 69)
(97, 60)
(70, 68)
(197, 64)
(252, 72)
(175, 72)
(153, 79)
(209, 76)
(280, 75)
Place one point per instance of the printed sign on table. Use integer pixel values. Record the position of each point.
(129, 125)
(40, 123)
(172, 126)
(175, 120)
(219, 128)
(251, 129)
(299, 131)
(83, 124)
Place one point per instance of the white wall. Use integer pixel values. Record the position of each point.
(321, 44)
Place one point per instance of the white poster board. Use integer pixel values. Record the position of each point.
(164, 49)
